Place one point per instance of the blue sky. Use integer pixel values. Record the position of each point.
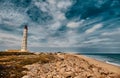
(84, 24)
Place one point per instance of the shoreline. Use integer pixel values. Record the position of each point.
(115, 64)
(105, 58)
(107, 66)
(98, 59)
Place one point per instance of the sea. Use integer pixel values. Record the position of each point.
(105, 56)
(111, 58)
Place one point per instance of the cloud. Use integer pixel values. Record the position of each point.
(12, 17)
(60, 23)
(93, 29)
(52, 1)
(9, 40)
(116, 32)
(64, 4)
(55, 26)
(97, 40)
(73, 24)
(108, 33)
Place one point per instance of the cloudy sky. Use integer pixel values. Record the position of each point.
(87, 25)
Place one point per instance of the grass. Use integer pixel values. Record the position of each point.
(11, 71)
(11, 64)
(14, 53)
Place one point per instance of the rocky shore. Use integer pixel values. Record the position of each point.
(68, 66)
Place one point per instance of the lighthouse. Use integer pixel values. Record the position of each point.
(24, 40)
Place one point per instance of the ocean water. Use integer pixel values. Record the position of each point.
(108, 58)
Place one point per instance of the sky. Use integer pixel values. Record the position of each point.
(87, 25)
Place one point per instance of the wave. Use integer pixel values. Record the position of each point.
(116, 64)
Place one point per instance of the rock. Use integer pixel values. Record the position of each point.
(70, 67)
(26, 76)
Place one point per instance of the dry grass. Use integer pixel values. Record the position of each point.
(11, 64)
(14, 53)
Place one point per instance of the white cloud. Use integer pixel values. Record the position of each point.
(73, 24)
(55, 26)
(116, 32)
(10, 39)
(94, 20)
(96, 40)
(42, 6)
(59, 16)
(52, 1)
(64, 4)
(107, 34)
(12, 17)
(93, 29)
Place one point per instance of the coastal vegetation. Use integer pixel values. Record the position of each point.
(12, 63)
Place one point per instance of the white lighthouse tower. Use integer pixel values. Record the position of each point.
(24, 41)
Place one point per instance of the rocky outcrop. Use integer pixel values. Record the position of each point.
(67, 66)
